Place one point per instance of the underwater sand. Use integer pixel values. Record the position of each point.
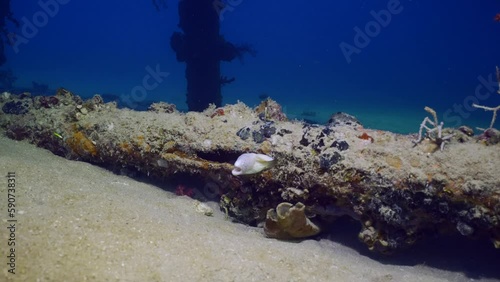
(79, 222)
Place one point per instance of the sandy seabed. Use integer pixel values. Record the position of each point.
(79, 222)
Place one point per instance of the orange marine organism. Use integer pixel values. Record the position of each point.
(497, 17)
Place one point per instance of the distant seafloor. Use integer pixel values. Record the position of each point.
(389, 112)
(402, 120)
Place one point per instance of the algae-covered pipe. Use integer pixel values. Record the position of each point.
(399, 191)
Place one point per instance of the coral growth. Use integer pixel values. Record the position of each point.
(490, 136)
(270, 110)
(289, 221)
(434, 134)
(493, 109)
(344, 119)
(16, 108)
(162, 107)
(46, 101)
(17, 132)
(81, 145)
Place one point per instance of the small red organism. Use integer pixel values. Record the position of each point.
(182, 190)
(217, 112)
(497, 17)
(365, 136)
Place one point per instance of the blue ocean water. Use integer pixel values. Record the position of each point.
(382, 61)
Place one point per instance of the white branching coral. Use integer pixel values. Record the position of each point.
(433, 133)
(493, 109)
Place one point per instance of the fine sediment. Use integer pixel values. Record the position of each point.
(398, 191)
